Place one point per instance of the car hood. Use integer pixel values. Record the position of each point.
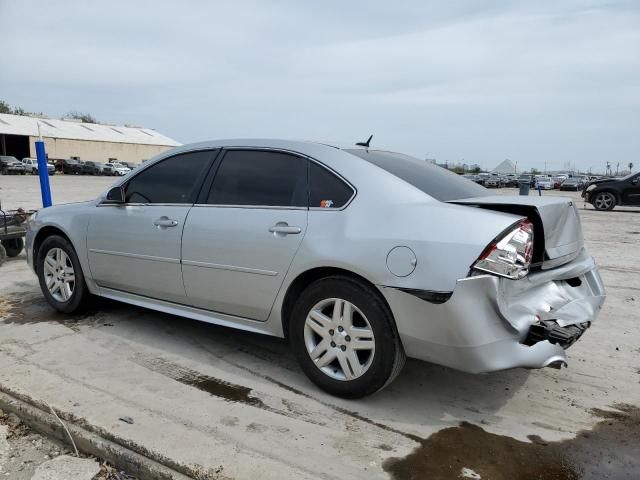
(555, 218)
(602, 180)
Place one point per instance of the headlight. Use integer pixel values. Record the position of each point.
(509, 255)
(591, 187)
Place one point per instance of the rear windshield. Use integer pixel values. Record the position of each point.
(435, 181)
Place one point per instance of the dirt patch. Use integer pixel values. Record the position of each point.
(610, 450)
(32, 309)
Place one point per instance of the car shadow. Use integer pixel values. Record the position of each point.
(423, 394)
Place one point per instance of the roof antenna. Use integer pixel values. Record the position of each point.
(365, 144)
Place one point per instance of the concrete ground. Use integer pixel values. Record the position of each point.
(27, 455)
(211, 402)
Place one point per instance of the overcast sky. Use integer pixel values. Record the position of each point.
(554, 81)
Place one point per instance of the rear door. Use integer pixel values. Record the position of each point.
(135, 247)
(241, 237)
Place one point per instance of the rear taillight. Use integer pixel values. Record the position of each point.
(509, 255)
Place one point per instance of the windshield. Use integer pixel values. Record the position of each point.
(631, 175)
(435, 181)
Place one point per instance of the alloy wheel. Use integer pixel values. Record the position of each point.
(339, 339)
(59, 275)
(604, 201)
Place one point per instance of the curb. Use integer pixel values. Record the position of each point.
(122, 457)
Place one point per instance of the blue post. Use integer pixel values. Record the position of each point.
(539, 191)
(43, 173)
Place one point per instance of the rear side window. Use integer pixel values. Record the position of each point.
(326, 189)
(433, 180)
(174, 180)
(260, 178)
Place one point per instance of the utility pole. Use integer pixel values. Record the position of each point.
(617, 169)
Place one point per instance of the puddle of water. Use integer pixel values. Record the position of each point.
(610, 450)
(213, 386)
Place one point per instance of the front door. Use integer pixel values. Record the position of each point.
(631, 191)
(135, 247)
(239, 242)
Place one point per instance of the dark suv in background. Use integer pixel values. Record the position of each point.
(68, 166)
(11, 166)
(92, 168)
(606, 193)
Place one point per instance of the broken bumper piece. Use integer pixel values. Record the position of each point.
(493, 323)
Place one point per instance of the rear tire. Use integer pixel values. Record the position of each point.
(62, 264)
(604, 201)
(357, 349)
(13, 246)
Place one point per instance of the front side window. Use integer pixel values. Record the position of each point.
(260, 178)
(173, 180)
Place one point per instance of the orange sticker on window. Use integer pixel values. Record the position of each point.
(326, 203)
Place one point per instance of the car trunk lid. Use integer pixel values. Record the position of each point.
(555, 219)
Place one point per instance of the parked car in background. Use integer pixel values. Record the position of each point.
(130, 165)
(605, 194)
(544, 183)
(526, 178)
(469, 176)
(493, 181)
(92, 168)
(31, 166)
(68, 166)
(115, 168)
(10, 165)
(243, 233)
(573, 183)
(510, 180)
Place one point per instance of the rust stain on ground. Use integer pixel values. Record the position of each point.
(610, 450)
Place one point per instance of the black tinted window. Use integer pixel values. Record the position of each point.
(433, 180)
(173, 180)
(260, 178)
(326, 189)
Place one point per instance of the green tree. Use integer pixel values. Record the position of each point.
(535, 171)
(5, 107)
(82, 116)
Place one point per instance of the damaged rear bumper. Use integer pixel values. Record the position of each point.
(493, 323)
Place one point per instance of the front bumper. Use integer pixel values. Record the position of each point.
(490, 323)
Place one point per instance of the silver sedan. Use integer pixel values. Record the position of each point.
(360, 257)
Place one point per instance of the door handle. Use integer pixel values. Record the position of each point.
(164, 222)
(283, 228)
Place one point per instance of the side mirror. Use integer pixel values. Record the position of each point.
(115, 196)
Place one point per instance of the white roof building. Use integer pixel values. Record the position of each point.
(74, 139)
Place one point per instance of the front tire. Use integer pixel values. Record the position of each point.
(60, 275)
(344, 337)
(604, 201)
